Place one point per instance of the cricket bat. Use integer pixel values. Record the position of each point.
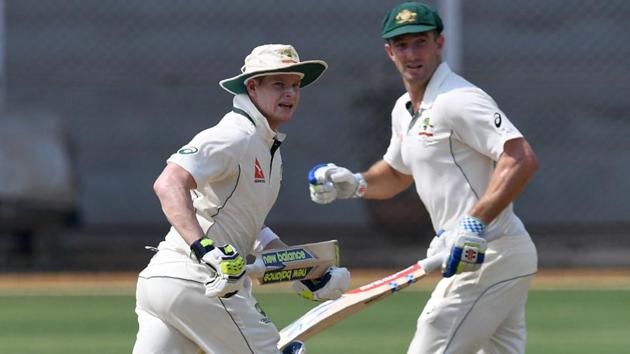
(299, 262)
(332, 311)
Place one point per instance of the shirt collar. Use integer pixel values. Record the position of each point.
(433, 88)
(243, 102)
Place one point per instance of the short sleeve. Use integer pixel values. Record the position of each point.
(212, 155)
(479, 123)
(393, 154)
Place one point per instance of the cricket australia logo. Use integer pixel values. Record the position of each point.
(427, 127)
(406, 16)
(289, 56)
(259, 176)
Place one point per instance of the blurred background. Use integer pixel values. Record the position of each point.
(96, 95)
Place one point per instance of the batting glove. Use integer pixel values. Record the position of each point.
(226, 263)
(328, 182)
(329, 287)
(295, 347)
(465, 247)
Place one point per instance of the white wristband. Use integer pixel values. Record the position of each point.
(264, 237)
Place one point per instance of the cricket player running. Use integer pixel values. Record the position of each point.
(468, 163)
(216, 192)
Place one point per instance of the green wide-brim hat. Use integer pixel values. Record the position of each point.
(271, 59)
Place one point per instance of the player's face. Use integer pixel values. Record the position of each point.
(416, 55)
(276, 96)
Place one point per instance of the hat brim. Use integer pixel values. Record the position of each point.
(311, 69)
(408, 29)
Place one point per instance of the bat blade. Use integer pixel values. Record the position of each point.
(330, 312)
(299, 262)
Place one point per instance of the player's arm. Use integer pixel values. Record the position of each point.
(384, 181)
(513, 171)
(465, 246)
(173, 188)
(328, 182)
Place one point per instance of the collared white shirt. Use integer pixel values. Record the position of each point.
(450, 147)
(238, 170)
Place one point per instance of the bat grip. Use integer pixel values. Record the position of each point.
(432, 263)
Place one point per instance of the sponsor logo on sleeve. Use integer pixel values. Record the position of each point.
(188, 150)
(497, 120)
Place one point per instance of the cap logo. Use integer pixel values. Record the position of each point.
(406, 16)
(288, 56)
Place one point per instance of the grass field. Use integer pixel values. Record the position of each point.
(74, 318)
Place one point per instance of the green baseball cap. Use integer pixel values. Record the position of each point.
(410, 17)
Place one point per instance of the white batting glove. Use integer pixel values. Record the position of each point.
(464, 247)
(328, 182)
(227, 265)
(322, 193)
(438, 244)
(329, 287)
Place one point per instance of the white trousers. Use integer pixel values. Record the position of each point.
(483, 311)
(175, 316)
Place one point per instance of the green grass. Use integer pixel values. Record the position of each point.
(559, 321)
(66, 324)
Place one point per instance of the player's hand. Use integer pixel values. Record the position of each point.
(328, 182)
(329, 287)
(467, 255)
(465, 247)
(227, 264)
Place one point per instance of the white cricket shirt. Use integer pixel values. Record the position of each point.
(238, 170)
(450, 147)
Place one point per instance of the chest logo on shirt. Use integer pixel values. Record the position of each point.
(427, 127)
(259, 176)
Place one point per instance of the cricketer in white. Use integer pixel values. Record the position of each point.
(468, 163)
(216, 192)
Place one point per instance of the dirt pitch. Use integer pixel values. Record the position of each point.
(124, 283)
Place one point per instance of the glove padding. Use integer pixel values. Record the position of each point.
(227, 265)
(464, 248)
(335, 282)
(466, 255)
(328, 182)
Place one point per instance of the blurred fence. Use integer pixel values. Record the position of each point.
(131, 81)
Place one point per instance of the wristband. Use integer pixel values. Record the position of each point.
(265, 237)
(202, 246)
(361, 186)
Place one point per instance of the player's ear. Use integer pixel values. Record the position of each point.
(250, 85)
(388, 50)
(439, 39)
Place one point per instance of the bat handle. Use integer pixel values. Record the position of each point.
(432, 263)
